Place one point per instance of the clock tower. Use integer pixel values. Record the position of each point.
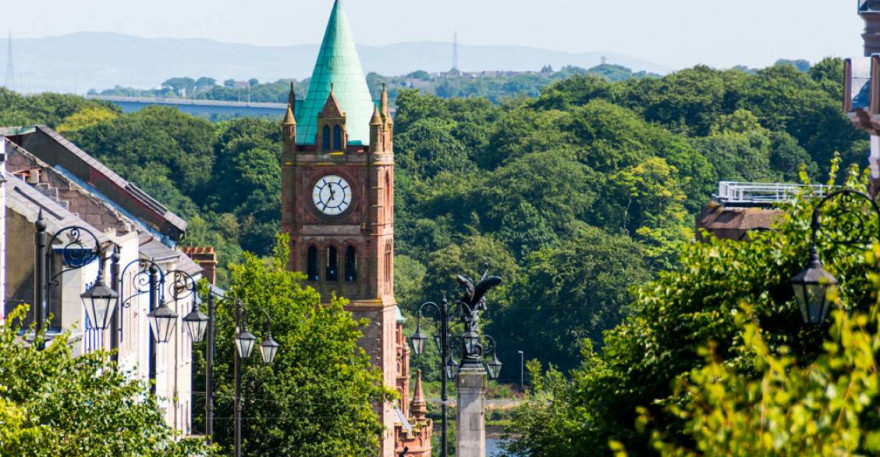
(337, 205)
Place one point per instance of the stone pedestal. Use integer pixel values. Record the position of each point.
(471, 437)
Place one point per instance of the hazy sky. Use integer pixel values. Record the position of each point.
(676, 33)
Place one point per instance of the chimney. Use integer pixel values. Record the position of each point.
(206, 258)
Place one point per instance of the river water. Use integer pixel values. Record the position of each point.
(492, 447)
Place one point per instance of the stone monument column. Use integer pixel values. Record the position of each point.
(471, 436)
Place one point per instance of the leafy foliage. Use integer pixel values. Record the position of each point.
(316, 397)
(513, 181)
(54, 404)
(825, 408)
(733, 297)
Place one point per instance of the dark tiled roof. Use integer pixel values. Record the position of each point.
(106, 217)
(733, 222)
(153, 249)
(24, 199)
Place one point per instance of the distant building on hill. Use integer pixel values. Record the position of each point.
(740, 207)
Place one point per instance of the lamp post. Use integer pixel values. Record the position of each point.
(149, 279)
(75, 254)
(200, 325)
(472, 351)
(418, 342)
(811, 285)
(522, 365)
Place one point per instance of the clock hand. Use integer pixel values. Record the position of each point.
(332, 193)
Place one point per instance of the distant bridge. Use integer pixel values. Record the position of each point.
(198, 107)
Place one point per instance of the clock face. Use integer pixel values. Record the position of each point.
(332, 195)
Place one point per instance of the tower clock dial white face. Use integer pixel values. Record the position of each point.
(332, 195)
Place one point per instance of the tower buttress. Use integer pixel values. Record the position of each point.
(387, 136)
(376, 132)
(288, 170)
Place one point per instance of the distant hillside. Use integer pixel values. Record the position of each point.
(83, 61)
(493, 85)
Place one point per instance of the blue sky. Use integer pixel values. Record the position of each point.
(676, 33)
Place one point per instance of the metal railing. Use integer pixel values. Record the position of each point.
(752, 193)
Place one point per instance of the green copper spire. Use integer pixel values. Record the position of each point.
(338, 63)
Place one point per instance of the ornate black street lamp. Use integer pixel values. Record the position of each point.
(97, 301)
(81, 248)
(268, 348)
(469, 306)
(494, 365)
(812, 285)
(198, 326)
(149, 279)
(244, 341)
(196, 323)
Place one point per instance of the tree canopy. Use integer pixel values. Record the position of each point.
(715, 357)
(520, 182)
(54, 404)
(316, 398)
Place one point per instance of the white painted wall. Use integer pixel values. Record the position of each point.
(2, 229)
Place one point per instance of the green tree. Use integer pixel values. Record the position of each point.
(54, 404)
(799, 64)
(205, 83)
(828, 72)
(570, 293)
(247, 180)
(180, 86)
(428, 148)
(86, 117)
(316, 398)
(468, 257)
(683, 311)
(825, 408)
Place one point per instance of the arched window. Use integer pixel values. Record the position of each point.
(337, 138)
(312, 264)
(350, 264)
(387, 267)
(325, 138)
(332, 264)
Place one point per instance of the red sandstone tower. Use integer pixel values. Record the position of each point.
(337, 205)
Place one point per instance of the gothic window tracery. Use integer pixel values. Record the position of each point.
(332, 264)
(350, 264)
(325, 138)
(312, 264)
(337, 138)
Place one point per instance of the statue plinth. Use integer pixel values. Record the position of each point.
(471, 436)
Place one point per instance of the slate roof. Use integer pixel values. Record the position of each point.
(153, 249)
(66, 192)
(733, 222)
(130, 198)
(338, 63)
(24, 199)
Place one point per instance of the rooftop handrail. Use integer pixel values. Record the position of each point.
(752, 192)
